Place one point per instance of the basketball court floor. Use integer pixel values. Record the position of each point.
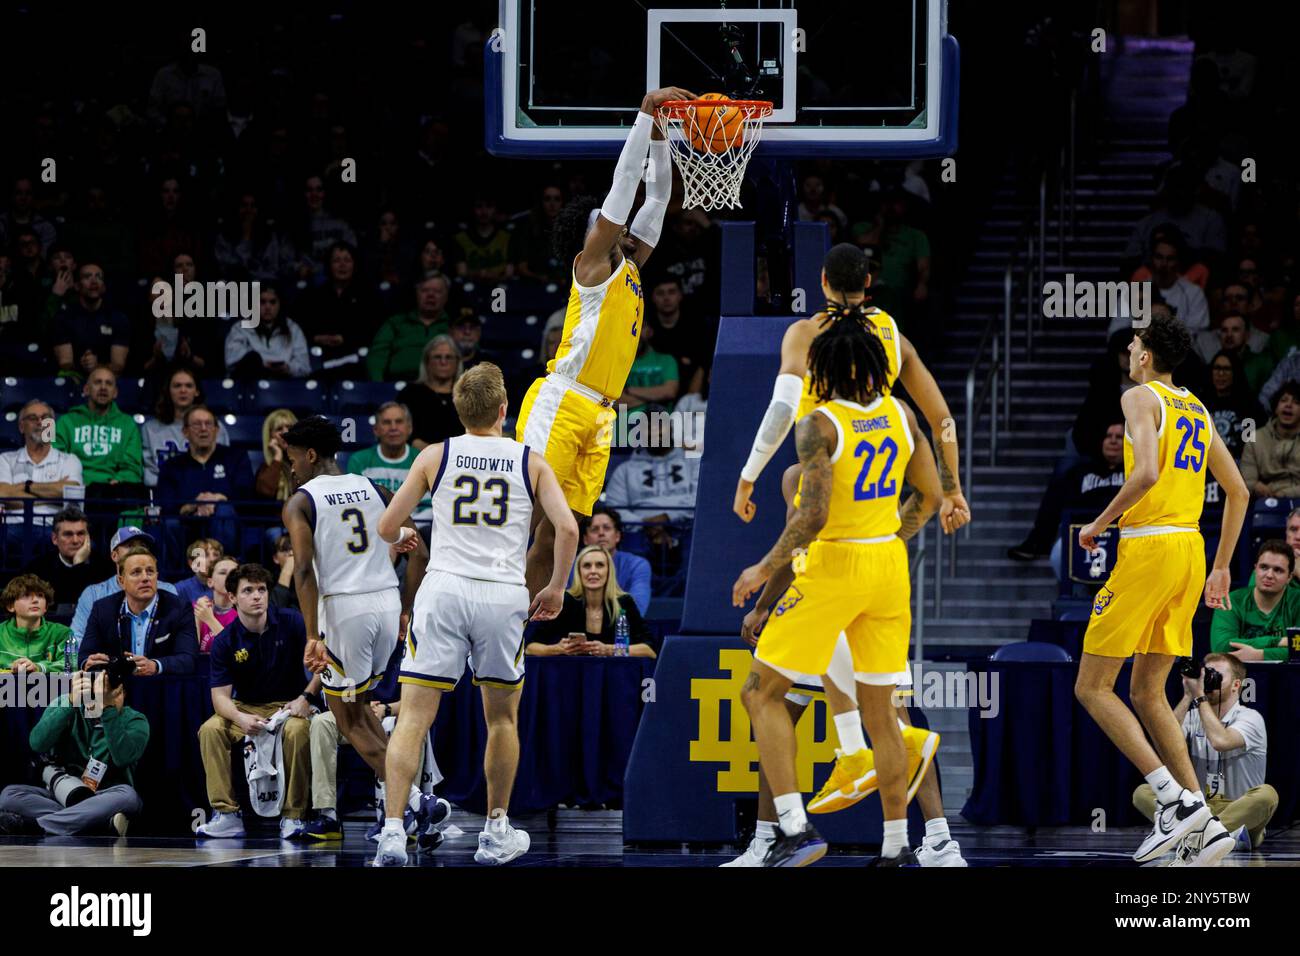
(594, 839)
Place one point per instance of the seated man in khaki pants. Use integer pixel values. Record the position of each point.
(1228, 746)
(256, 670)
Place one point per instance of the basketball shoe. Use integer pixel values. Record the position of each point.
(854, 776)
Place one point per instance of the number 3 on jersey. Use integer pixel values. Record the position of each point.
(358, 520)
(1191, 429)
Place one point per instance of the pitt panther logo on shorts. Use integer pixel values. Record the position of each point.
(788, 600)
(1104, 597)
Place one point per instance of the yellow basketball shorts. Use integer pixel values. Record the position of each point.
(1146, 606)
(860, 589)
(572, 430)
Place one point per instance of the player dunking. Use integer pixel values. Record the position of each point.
(347, 588)
(473, 602)
(845, 277)
(567, 416)
(855, 450)
(1145, 609)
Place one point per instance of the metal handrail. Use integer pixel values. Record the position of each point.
(973, 406)
(918, 571)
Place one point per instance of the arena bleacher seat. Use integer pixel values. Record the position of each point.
(1032, 652)
(222, 394)
(58, 391)
(350, 398)
(307, 397)
(244, 431)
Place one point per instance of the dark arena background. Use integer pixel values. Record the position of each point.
(218, 221)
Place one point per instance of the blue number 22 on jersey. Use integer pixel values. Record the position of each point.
(883, 487)
(1191, 429)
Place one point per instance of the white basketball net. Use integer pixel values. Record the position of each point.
(712, 177)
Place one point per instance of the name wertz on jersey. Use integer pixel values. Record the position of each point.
(485, 464)
(1183, 406)
(347, 497)
(861, 425)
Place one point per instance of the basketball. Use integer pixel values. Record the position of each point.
(716, 128)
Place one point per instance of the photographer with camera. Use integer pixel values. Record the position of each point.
(90, 742)
(1253, 626)
(1228, 744)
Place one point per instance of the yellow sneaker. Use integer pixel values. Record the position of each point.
(921, 746)
(847, 784)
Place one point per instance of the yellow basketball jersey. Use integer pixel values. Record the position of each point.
(1182, 446)
(886, 330)
(870, 458)
(602, 325)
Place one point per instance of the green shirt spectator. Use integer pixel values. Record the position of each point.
(1254, 628)
(118, 739)
(389, 461)
(105, 438)
(395, 353)
(28, 642)
(481, 249)
(653, 376)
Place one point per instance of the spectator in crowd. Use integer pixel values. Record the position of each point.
(399, 344)
(428, 398)
(389, 460)
(1286, 337)
(20, 304)
(44, 268)
(272, 479)
(904, 276)
(28, 642)
(1230, 401)
(22, 215)
(1202, 228)
(1270, 464)
(248, 249)
(274, 348)
(1196, 272)
(101, 233)
(592, 607)
(605, 528)
(467, 333)
(337, 315)
(688, 249)
(815, 199)
(171, 231)
(482, 248)
(1287, 370)
(104, 438)
(682, 337)
(1087, 487)
(284, 594)
(390, 252)
(1253, 627)
(1244, 344)
(194, 483)
(1237, 298)
(59, 282)
(160, 341)
(190, 81)
(199, 557)
(653, 378)
(90, 724)
(318, 231)
(213, 615)
(552, 336)
(38, 470)
(257, 671)
(151, 627)
(430, 259)
(1182, 295)
(71, 567)
(123, 539)
(88, 332)
(656, 486)
(163, 436)
(1228, 744)
(531, 249)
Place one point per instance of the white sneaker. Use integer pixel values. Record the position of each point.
(753, 855)
(1174, 821)
(1212, 843)
(392, 849)
(494, 849)
(222, 826)
(120, 824)
(292, 829)
(946, 853)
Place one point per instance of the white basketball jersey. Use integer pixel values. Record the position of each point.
(350, 557)
(482, 508)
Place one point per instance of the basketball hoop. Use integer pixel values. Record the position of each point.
(711, 140)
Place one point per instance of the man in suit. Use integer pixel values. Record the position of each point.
(153, 628)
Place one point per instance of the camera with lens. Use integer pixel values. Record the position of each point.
(1211, 679)
(118, 669)
(65, 787)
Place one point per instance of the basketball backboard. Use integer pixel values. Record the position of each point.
(862, 79)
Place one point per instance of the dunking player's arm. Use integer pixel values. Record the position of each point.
(546, 605)
(597, 261)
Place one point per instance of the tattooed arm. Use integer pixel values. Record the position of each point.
(924, 478)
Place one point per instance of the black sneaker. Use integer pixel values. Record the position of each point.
(1023, 552)
(806, 846)
(11, 824)
(905, 858)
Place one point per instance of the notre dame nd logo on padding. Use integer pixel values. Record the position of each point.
(1104, 597)
(788, 600)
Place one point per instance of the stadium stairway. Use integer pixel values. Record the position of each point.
(991, 599)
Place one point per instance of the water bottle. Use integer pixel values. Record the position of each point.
(621, 643)
(69, 653)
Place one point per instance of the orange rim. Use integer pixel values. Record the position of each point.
(676, 108)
